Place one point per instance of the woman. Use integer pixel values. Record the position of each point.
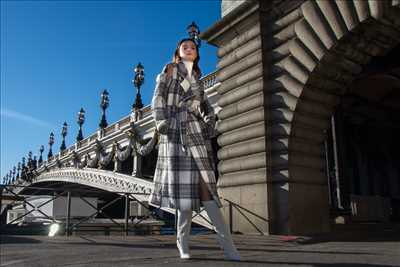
(184, 174)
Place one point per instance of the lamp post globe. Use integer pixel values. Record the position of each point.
(18, 170)
(138, 81)
(105, 102)
(14, 172)
(64, 132)
(194, 32)
(29, 163)
(81, 120)
(51, 142)
(41, 150)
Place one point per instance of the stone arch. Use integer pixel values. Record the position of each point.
(332, 41)
(96, 178)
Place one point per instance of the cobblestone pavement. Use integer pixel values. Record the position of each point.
(161, 251)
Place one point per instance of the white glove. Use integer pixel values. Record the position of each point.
(162, 126)
(195, 106)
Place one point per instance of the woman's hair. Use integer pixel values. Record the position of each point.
(176, 58)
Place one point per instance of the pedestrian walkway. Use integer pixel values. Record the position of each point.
(256, 250)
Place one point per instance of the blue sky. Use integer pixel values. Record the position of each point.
(58, 56)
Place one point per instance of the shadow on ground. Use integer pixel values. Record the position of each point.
(5, 239)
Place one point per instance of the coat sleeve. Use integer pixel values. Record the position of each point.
(159, 100)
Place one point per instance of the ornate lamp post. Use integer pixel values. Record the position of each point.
(41, 152)
(51, 142)
(193, 31)
(18, 170)
(105, 102)
(30, 160)
(34, 163)
(14, 171)
(23, 162)
(63, 134)
(81, 120)
(138, 82)
(23, 168)
(11, 177)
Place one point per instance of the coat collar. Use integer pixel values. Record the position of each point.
(182, 71)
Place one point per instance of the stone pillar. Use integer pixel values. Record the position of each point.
(256, 111)
(117, 164)
(137, 165)
(242, 127)
(282, 67)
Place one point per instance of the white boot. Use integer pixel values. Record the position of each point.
(183, 232)
(223, 234)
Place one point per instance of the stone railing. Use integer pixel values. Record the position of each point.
(209, 80)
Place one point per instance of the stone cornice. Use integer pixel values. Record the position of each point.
(212, 34)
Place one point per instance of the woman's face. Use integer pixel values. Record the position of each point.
(187, 51)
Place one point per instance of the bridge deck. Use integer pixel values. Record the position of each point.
(342, 251)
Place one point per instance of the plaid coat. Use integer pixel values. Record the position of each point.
(185, 152)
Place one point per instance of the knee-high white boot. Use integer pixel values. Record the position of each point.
(223, 233)
(183, 233)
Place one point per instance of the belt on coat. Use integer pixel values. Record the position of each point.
(183, 120)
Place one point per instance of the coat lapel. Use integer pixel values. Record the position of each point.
(182, 71)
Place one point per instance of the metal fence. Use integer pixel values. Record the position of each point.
(69, 224)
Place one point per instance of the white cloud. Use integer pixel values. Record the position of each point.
(11, 114)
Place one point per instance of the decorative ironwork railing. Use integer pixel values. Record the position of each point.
(209, 80)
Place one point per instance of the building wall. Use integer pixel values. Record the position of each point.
(283, 66)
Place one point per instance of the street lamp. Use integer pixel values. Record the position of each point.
(18, 170)
(105, 102)
(51, 142)
(81, 120)
(34, 163)
(41, 152)
(14, 172)
(30, 159)
(138, 82)
(193, 31)
(23, 168)
(63, 134)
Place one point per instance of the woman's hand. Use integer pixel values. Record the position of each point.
(195, 106)
(202, 113)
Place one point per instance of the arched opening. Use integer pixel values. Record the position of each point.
(362, 146)
(337, 66)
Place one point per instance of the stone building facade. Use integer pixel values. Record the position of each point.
(288, 71)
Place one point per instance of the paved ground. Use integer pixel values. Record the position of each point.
(323, 251)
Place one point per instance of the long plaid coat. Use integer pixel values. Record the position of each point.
(185, 152)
